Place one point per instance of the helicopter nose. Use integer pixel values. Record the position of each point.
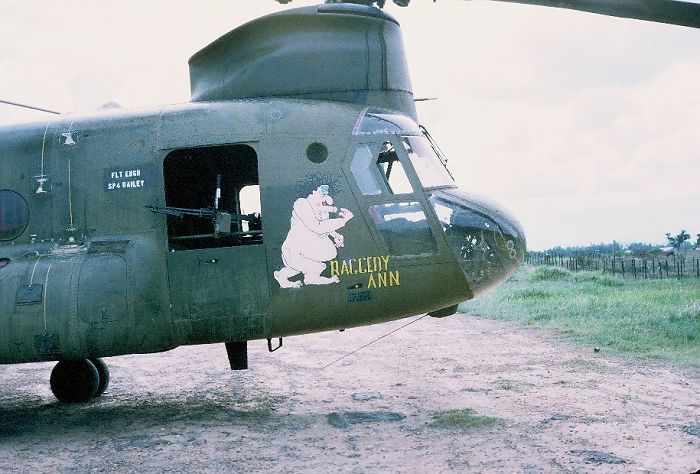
(488, 241)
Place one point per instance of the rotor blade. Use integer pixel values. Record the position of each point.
(660, 11)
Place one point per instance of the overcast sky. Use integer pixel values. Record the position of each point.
(586, 127)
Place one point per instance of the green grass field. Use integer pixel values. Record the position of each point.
(648, 318)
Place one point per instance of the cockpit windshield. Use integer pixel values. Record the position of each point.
(430, 169)
(429, 163)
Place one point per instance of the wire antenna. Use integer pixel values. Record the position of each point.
(377, 339)
(29, 107)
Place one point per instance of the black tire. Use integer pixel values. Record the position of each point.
(74, 381)
(103, 372)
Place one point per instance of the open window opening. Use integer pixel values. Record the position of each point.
(212, 197)
(392, 170)
(377, 168)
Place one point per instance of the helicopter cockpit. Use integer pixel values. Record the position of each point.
(487, 240)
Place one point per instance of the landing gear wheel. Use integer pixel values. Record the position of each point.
(103, 372)
(74, 381)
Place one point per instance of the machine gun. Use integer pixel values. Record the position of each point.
(222, 220)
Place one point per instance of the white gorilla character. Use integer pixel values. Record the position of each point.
(312, 239)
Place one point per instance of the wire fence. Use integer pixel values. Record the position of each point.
(646, 267)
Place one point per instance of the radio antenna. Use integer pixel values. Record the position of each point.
(29, 107)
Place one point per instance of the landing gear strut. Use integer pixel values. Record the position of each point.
(74, 381)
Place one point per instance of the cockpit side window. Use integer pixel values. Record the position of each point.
(377, 169)
(364, 171)
(404, 228)
(392, 170)
(431, 171)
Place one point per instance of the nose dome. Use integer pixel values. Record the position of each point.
(488, 241)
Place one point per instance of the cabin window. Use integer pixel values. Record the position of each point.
(404, 228)
(249, 197)
(317, 153)
(14, 215)
(212, 197)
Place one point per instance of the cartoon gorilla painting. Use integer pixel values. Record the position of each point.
(312, 239)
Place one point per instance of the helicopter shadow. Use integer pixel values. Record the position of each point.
(142, 422)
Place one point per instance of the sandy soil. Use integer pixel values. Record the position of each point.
(560, 408)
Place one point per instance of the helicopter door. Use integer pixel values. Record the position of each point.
(216, 260)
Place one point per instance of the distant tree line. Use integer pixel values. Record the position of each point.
(612, 248)
(633, 260)
(680, 241)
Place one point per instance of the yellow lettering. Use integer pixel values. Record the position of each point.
(351, 265)
(344, 268)
(394, 278)
(371, 283)
(386, 261)
(369, 265)
(334, 267)
(359, 266)
(377, 261)
(382, 279)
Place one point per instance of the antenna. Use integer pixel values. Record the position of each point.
(29, 107)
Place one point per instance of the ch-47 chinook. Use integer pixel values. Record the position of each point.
(295, 193)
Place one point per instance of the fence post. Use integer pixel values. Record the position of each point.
(645, 269)
(622, 262)
(634, 268)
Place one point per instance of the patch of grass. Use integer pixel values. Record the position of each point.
(505, 384)
(589, 420)
(649, 318)
(515, 385)
(464, 418)
(691, 311)
(610, 282)
(586, 364)
(549, 274)
(530, 295)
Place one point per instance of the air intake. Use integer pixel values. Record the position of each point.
(342, 52)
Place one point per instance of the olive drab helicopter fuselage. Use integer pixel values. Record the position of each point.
(295, 193)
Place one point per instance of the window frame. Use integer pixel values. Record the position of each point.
(18, 232)
(238, 237)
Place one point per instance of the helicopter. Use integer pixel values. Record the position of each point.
(296, 192)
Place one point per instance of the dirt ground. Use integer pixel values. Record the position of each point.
(559, 408)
